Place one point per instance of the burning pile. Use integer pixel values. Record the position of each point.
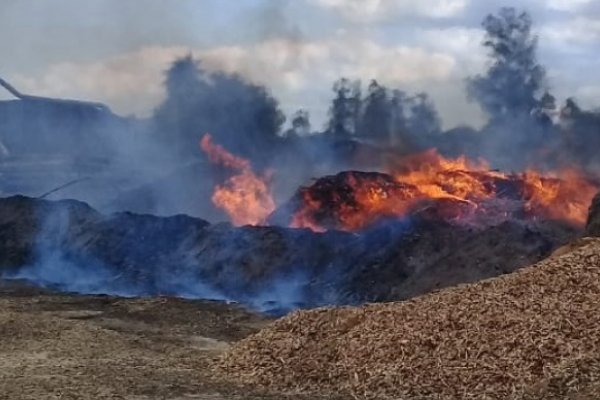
(529, 335)
(350, 200)
(429, 184)
(454, 190)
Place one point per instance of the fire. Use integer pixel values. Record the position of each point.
(440, 177)
(457, 190)
(566, 195)
(352, 200)
(246, 196)
(303, 218)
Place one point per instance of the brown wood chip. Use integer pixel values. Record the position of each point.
(534, 334)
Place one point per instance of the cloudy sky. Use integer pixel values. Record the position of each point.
(116, 51)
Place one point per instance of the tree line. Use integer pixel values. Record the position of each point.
(524, 125)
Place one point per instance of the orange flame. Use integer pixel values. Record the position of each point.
(458, 189)
(440, 177)
(564, 195)
(246, 196)
(362, 199)
(303, 217)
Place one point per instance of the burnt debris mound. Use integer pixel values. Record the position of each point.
(69, 246)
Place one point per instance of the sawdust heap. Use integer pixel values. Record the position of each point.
(530, 335)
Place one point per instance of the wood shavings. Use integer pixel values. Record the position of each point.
(534, 334)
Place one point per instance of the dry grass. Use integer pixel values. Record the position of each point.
(534, 334)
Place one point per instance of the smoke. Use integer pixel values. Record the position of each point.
(153, 165)
(68, 246)
(54, 271)
(52, 267)
(72, 248)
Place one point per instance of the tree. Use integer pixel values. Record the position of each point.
(345, 109)
(424, 121)
(300, 124)
(398, 121)
(241, 116)
(387, 117)
(580, 135)
(183, 79)
(514, 81)
(247, 118)
(376, 118)
(414, 121)
(512, 93)
(174, 118)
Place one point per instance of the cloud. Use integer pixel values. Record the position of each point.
(296, 71)
(299, 64)
(129, 83)
(567, 5)
(588, 96)
(580, 30)
(461, 43)
(377, 10)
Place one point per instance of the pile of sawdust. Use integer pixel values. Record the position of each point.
(531, 334)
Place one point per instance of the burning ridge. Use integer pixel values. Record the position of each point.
(354, 200)
(67, 245)
(426, 222)
(457, 190)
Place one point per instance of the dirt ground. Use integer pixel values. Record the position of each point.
(56, 346)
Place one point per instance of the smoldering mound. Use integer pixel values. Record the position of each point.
(69, 246)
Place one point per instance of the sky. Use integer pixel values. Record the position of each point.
(116, 51)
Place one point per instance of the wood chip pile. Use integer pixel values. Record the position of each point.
(534, 334)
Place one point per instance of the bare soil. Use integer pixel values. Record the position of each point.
(55, 346)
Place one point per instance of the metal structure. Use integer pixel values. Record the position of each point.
(25, 97)
(45, 142)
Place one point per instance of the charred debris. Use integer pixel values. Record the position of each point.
(68, 246)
